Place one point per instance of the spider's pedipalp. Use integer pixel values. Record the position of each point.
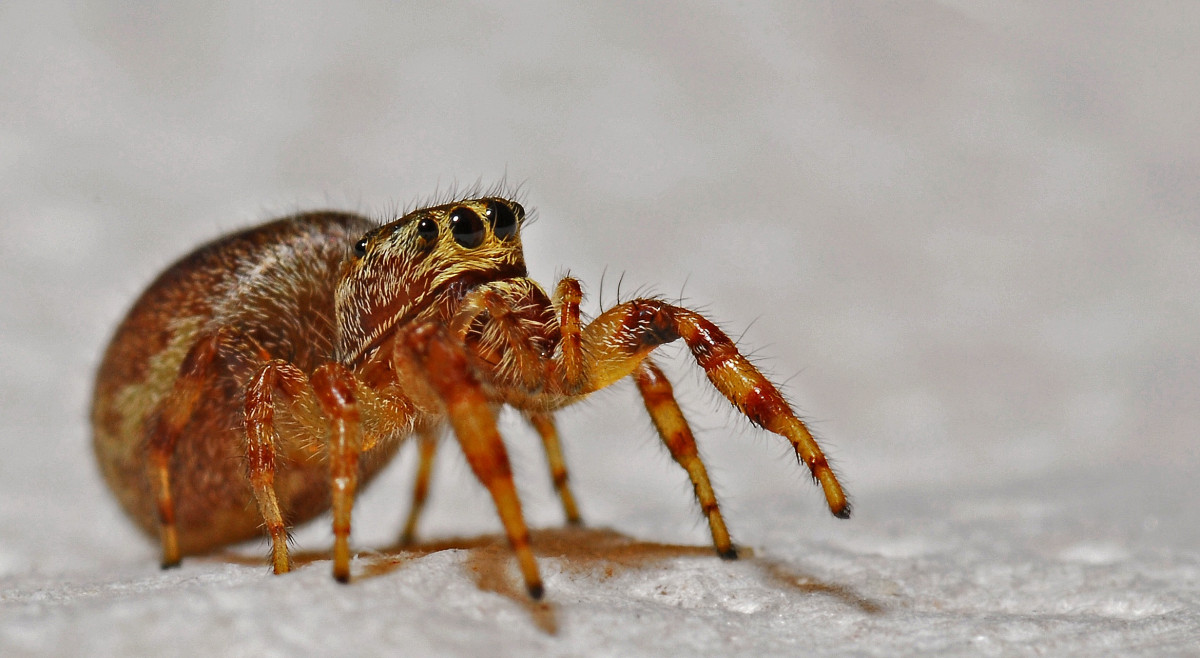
(568, 295)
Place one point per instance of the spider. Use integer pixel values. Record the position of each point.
(262, 378)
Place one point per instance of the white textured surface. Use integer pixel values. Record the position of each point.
(972, 234)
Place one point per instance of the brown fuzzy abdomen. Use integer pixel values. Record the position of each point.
(273, 286)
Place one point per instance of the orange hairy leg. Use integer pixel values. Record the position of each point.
(522, 359)
(262, 443)
(568, 295)
(673, 428)
(427, 444)
(195, 373)
(334, 387)
(617, 341)
(427, 440)
(757, 398)
(543, 422)
(330, 390)
(470, 414)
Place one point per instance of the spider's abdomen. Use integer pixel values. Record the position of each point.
(273, 287)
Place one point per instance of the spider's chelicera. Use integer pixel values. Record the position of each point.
(262, 378)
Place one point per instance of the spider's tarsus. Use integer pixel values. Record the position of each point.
(730, 554)
(343, 578)
(536, 591)
(843, 513)
(170, 565)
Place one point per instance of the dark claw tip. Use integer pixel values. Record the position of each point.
(843, 513)
(343, 578)
(170, 565)
(536, 591)
(730, 554)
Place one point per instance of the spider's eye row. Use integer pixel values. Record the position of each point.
(360, 247)
(427, 230)
(502, 218)
(467, 227)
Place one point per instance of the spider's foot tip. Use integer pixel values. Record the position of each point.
(728, 554)
(343, 578)
(536, 591)
(173, 564)
(843, 513)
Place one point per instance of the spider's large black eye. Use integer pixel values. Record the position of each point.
(502, 218)
(360, 248)
(467, 227)
(427, 230)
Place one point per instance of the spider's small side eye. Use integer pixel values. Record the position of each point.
(502, 218)
(467, 227)
(360, 248)
(427, 230)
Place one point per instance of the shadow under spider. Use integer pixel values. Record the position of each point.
(581, 550)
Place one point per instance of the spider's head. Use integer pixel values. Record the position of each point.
(422, 264)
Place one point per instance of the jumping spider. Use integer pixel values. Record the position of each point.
(283, 364)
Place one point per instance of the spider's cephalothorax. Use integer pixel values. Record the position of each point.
(419, 268)
(261, 378)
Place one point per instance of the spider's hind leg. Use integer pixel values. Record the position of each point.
(196, 372)
(210, 357)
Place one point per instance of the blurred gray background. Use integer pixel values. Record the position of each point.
(966, 235)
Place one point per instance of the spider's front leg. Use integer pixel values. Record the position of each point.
(524, 364)
(442, 364)
(427, 446)
(520, 361)
(617, 341)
